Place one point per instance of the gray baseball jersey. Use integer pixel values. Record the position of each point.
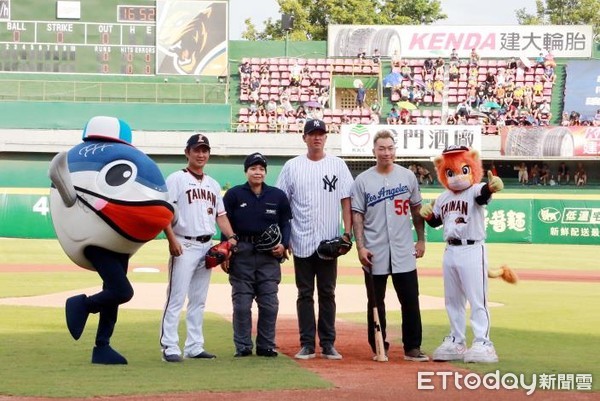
(385, 202)
(315, 189)
(462, 216)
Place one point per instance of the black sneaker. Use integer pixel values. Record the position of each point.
(305, 353)
(243, 352)
(202, 355)
(415, 355)
(171, 358)
(269, 352)
(331, 353)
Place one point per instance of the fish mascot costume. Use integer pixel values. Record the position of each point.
(106, 200)
(461, 211)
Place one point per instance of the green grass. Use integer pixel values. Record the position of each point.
(40, 359)
(542, 327)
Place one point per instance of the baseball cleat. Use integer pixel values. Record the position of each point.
(76, 312)
(450, 350)
(481, 352)
(107, 356)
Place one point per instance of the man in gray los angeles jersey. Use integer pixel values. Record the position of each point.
(384, 198)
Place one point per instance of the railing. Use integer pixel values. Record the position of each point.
(128, 92)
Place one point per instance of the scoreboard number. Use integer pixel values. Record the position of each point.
(142, 14)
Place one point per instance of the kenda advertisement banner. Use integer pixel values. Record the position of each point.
(411, 140)
(538, 142)
(569, 41)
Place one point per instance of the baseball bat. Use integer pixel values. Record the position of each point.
(380, 355)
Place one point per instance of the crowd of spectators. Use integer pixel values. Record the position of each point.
(542, 174)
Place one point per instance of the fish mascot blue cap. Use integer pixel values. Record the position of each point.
(107, 129)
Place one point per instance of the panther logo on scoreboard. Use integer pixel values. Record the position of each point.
(192, 41)
(4, 10)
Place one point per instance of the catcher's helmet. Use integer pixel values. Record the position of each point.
(269, 239)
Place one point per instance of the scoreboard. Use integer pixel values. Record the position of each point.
(125, 45)
(141, 37)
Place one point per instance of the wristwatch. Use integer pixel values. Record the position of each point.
(349, 235)
(234, 236)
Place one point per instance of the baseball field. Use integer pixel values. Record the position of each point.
(545, 329)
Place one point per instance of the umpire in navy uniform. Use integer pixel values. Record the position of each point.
(255, 274)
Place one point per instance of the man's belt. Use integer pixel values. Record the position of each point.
(457, 242)
(201, 238)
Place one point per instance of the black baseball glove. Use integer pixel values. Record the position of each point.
(333, 248)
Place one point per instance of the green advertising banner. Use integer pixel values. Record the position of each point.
(25, 213)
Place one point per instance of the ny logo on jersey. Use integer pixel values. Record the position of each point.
(329, 184)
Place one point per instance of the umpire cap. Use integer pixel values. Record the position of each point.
(255, 158)
(314, 125)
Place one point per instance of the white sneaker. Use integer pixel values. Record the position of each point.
(481, 352)
(449, 350)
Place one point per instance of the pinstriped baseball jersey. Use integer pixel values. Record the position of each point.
(462, 216)
(385, 201)
(198, 203)
(315, 189)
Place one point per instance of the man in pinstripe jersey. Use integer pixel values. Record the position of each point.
(317, 185)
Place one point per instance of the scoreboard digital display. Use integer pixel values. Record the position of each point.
(120, 37)
(125, 45)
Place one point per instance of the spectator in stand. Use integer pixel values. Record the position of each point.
(473, 58)
(404, 116)
(511, 66)
(295, 74)
(271, 106)
(543, 114)
(404, 93)
(300, 115)
(438, 87)
(540, 60)
(538, 86)
(574, 118)
(535, 174)
(361, 93)
(549, 60)
(245, 71)
(453, 73)
(428, 66)
(406, 72)
(393, 117)
(563, 173)
(254, 88)
(462, 109)
(346, 119)
(523, 174)
(375, 107)
(596, 121)
(252, 123)
(263, 70)
(418, 95)
(287, 106)
(565, 119)
(376, 57)
(454, 57)
(423, 175)
(374, 119)
(545, 175)
(396, 59)
(451, 120)
(260, 107)
(549, 75)
(242, 128)
(580, 175)
(282, 122)
(439, 66)
(323, 97)
(362, 54)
